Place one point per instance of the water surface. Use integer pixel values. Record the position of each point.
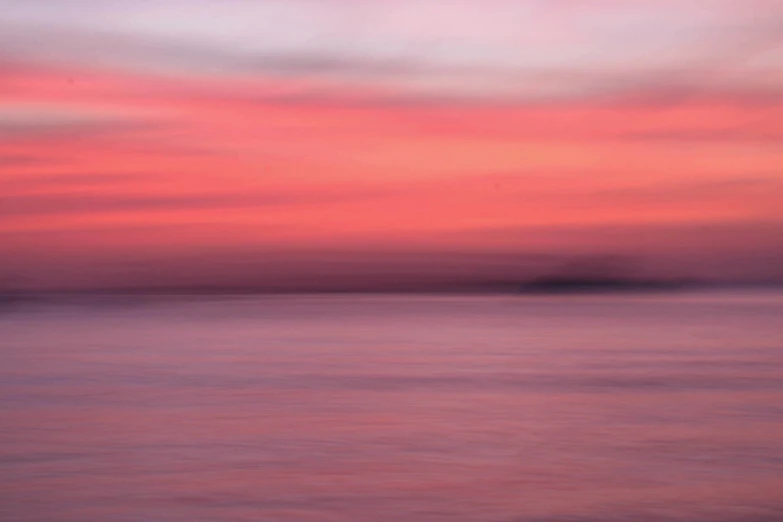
(384, 408)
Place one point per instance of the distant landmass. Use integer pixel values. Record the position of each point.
(599, 274)
(565, 284)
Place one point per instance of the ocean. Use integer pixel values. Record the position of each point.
(380, 408)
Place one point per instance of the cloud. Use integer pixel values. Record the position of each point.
(530, 49)
(757, 190)
(23, 120)
(758, 133)
(46, 204)
(704, 237)
(18, 160)
(612, 190)
(18, 184)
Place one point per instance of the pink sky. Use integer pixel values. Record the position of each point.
(190, 141)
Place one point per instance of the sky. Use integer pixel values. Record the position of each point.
(283, 142)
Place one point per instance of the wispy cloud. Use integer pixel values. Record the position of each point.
(527, 49)
(88, 202)
(16, 160)
(25, 120)
(15, 185)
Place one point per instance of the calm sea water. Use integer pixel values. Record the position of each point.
(389, 408)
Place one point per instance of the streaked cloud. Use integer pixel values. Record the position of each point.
(17, 184)
(525, 49)
(15, 160)
(29, 120)
(88, 202)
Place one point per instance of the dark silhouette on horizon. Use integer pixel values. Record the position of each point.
(599, 274)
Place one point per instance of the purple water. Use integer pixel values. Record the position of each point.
(387, 408)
